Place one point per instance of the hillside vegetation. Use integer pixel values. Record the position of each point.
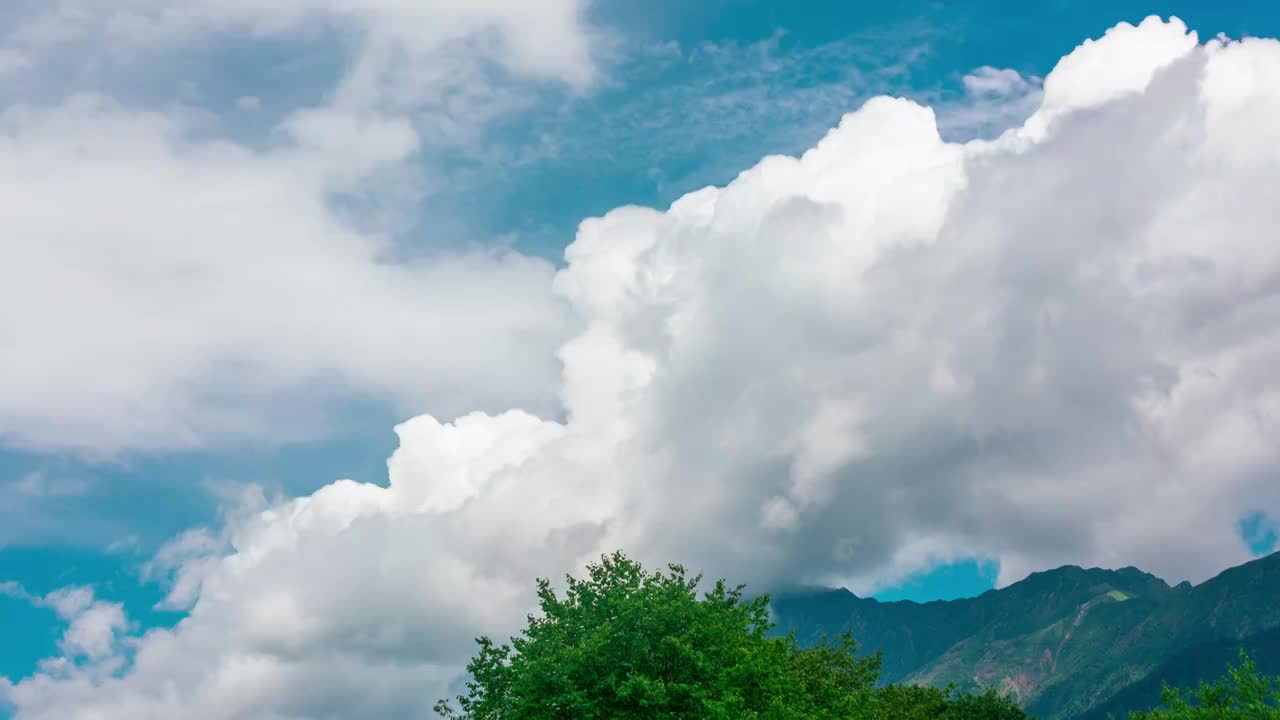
(1067, 643)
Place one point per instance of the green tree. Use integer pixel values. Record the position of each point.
(919, 702)
(987, 706)
(1243, 694)
(911, 702)
(624, 643)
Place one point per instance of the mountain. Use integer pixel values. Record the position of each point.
(1203, 661)
(1069, 643)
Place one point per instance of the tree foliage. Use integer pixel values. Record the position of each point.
(624, 643)
(1242, 694)
(919, 702)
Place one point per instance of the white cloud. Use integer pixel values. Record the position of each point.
(549, 40)
(1058, 346)
(164, 292)
(1000, 82)
(13, 589)
(163, 287)
(92, 631)
(1113, 66)
(995, 100)
(93, 626)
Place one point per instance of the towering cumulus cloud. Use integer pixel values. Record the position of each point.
(1062, 345)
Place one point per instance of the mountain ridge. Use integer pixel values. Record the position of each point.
(1063, 641)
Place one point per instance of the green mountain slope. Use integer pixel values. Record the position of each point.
(1188, 667)
(1065, 642)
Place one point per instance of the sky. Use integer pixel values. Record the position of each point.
(326, 326)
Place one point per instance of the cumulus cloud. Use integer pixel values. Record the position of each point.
(892, 351)
(164, 285)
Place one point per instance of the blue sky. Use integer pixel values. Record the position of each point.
(685, 95)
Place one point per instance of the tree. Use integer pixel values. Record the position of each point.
(912, 702)
(986, 706)
(920, 702)
(624, 643)
(1243, 694)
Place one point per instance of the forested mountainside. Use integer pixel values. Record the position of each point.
(1068, 643)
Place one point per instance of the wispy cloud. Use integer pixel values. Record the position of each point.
(35, 506)
(697, 113)
(37, 484)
